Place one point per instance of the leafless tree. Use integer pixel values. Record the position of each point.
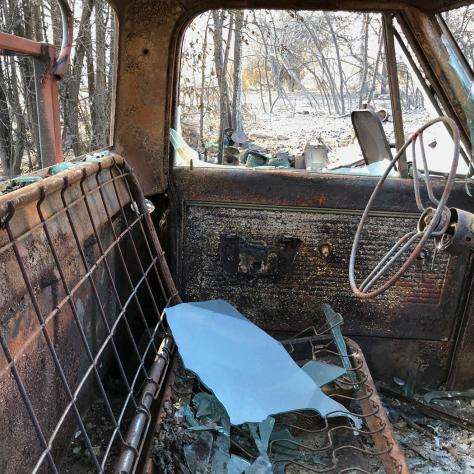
(85, 93)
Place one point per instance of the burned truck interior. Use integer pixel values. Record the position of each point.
(269, 269)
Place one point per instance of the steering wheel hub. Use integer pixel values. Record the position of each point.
(426, 219)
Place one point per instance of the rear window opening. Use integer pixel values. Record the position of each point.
(267, 89)
(85, 92)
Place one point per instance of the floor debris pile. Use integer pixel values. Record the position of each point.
(252, 409)
(431, 445)
(204, 431)
(196, 436)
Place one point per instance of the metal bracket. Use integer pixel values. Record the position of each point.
(251, 258)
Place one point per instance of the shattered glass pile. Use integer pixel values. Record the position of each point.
(243, 417)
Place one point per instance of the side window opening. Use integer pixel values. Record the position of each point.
(283, 85)
(85, 93)
(279, 87)
(419, 105)
(460, 22)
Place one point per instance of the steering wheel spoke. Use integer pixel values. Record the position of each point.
(389, 259)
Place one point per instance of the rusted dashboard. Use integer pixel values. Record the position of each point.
(277, 245)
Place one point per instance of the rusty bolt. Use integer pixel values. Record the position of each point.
(325, 249)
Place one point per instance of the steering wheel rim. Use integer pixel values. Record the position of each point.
(408, 239)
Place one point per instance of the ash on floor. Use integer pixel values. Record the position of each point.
(432, 446)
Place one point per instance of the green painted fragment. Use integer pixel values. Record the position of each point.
(280, 161)
(254, 159)
(26, 179)
(335, 321)
(60, 167)
(96, 157)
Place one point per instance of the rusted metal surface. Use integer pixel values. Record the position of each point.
(255, 258)
(462, 361)
(434, 6)
(426, 35)
(427, 361)
(146, 79)
(82, 287)
(394, 460)
(147, 464)
(148, 65)
(460, 233)
(10, 44)
(392, 76)
(143, 419)
(14, 44)
(305, 190)
(314, 278)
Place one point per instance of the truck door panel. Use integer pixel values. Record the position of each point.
(277, 245)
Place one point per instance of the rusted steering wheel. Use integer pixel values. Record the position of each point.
(433, 221)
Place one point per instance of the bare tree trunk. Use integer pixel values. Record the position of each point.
(339, 62)
(219, 64)
(263, 35)
(99, 99)
(203, 82)
(267, 79)
(72, 85)
(227, 100)
(260, 87)
(90, 81)
(5, 126)
(384, 78)
(111, 70)
(36, 24)
(27, 75)
(376, 68)
(21, 93)
(19, 137)
(323, 64)
(365, 59)
(237, 92)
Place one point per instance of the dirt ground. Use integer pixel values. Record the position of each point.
(291, 129)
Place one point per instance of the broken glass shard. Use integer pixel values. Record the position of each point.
(335, 321)
(197, 454)
(323, 373)
(210, 412)
(250, 373)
